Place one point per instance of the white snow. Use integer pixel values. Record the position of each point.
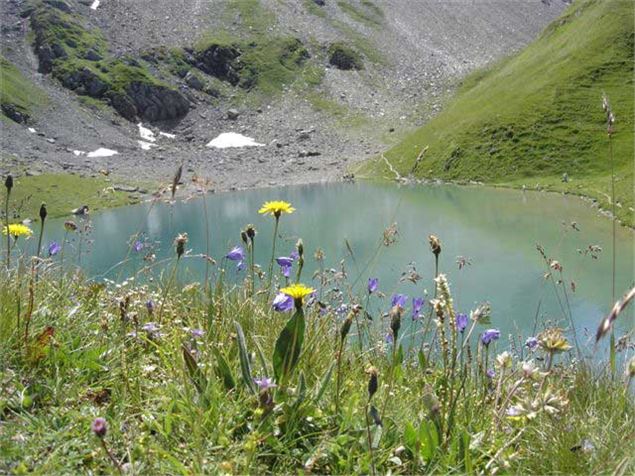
(102, 152)
(32, 131)
(95, 5)
(166, 134)
(146, 134)
(79, 152)
(146, 145)
(232, 139)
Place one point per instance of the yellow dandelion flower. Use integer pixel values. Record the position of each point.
(17, 229)
(297, 291)
(276, 208)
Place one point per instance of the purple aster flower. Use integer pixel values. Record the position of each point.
(236, 254)
(489, 335)
(282, 303)
(532, 343)
(54, 248)
(389, 338)
(99, 427)
(417, 304)
(137, 246)
(294, 255)
(399, 300)
(150, 306)
(490, 373)
(150, 327)
(373, 284)
(342, 309)
(461, 322)
(264, 383)
(197, 332)
(284, 261)
(286, 271)
(240, 266)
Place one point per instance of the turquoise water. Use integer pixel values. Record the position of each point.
(496, 229)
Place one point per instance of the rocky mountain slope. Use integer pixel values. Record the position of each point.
(322, 84)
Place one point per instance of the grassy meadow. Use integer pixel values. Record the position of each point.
(153, 374)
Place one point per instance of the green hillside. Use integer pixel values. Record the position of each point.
(537, 115)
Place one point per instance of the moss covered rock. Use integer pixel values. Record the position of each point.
(344, 57)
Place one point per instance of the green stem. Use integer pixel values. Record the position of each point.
(6, 217)
(273, 254)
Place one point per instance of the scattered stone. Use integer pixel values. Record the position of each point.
(50, 141)
(193, 81)
(232, 114)
(125, 188)
(13, 113)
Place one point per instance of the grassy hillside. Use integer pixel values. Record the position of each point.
(16, 91)
(538, 115)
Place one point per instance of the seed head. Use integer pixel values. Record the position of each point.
(300, 247)
(9, 182)
(180, 242)
(346, 326)
(435, 245)
(251, 232)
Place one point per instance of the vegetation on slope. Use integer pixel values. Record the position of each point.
(79, 59)
(538, 115)
(177, 377)
(17, 94)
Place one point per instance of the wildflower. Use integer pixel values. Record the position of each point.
(17, 229)
(461, 322)
(197, 333)
(388, 338)
(435, 245)
(150, 327)
(251, 232)
(150, 305)
(70, 225)
(236, 254)
(373, 284)
(489, 335)
(417, 304)
(553, 340)
(531, 343)
(180, 242)
(282, 303)
(264, 383)
(294, 255)
(298, 292)
(240, 266)
(531, 372)
(137, 246)
(504, 360)
(99, 427)
(54, 248)
(399, 300)
(300, 249)
(284, 261)
(276, 208)
(491, 373)
(8, 183)
(395, 320)
(372, 381)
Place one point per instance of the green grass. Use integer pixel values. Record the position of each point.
(538, 115)
(75, 349)
(62, 193)
(366, 12)
(16, 90)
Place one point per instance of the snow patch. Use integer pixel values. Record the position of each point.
(166, 134)
(146, 134)
(145, 145)
(32, 131)
(232, 139)
(79, 153)
(95, 4)
(102, 152)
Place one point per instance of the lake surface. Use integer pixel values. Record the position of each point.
(495, 229)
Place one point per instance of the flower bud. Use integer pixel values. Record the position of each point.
(346, 326)
(43, 212)
(9, 182)
(180, 242)
(373, 385)
(99, 427)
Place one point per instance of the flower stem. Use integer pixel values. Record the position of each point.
(273, 253)
(6, 218)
